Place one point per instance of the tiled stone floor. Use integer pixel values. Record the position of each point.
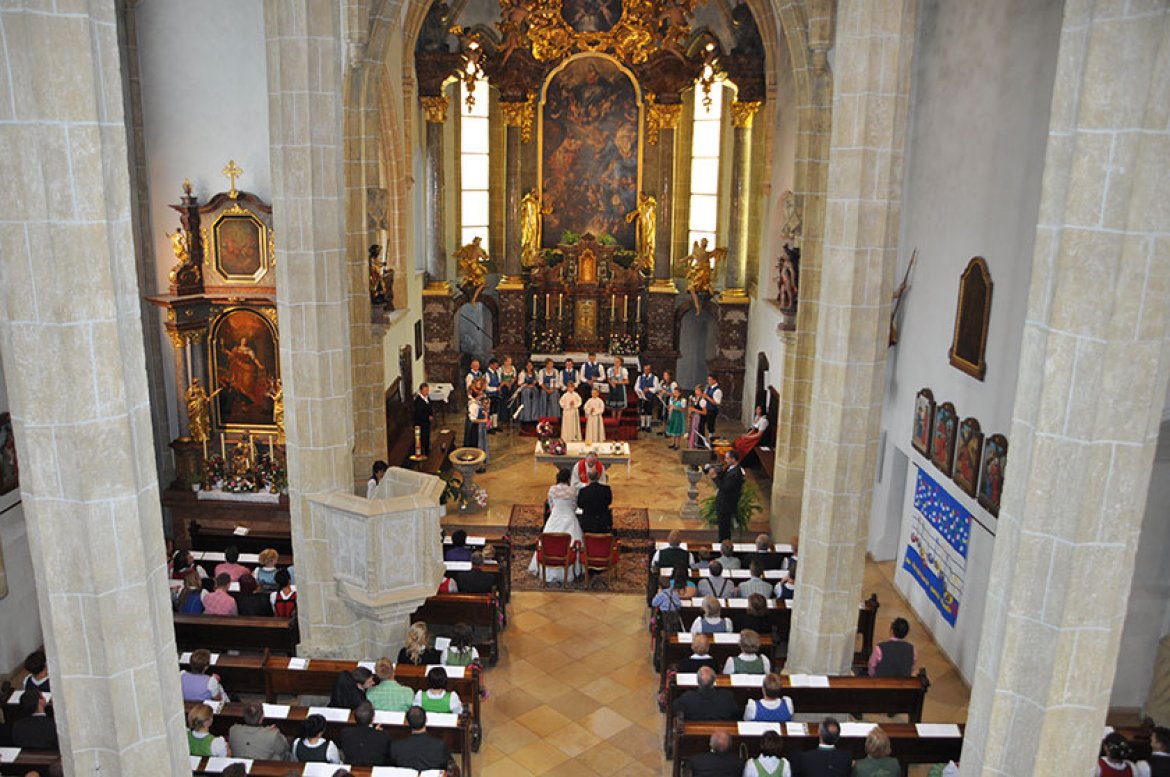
(574, 691)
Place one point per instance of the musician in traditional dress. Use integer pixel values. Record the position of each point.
(479, 414)
(529, 383)
(676, 422)
(666, 386)
(507, 381)
(473, 374)
(492, 382)
(618, 378)
(646, 387)
(570, 413)
(550, 390)
(591, 372)
(698, 411)
(569, 375)
(594, 417)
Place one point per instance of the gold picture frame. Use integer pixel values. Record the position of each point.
(243, 357)
(239, 246)
(969, 344)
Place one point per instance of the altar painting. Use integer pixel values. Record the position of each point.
(590, 151)
(244, 369)
(591, 15)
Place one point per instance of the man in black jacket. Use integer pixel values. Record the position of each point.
(707, 702)
(422, 416)
(729, 484)
(420, 750)
(349, 690)
(37, 731)
(826, 760)
(363, 744)
(719, 762)
(594, 501)
(475, 580)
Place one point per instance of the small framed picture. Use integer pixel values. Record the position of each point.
(942, 440)
(968, 451)
(923, 416)
(991, 472)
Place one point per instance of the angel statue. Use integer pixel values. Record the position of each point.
(185, 272)
(276, 394)
(700, 269)
(473, 262)
(199, 411)
(530, 213)
(646, 214)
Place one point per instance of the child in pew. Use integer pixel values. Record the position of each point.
(770, 763)
(197, 684)
(284, 599)
(312, 746)
(231, 565)
(199, 739)
(461, 651)
(265, 573)
(190, 596)
(436, 698)
(418, 650)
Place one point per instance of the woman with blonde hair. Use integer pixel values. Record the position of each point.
(265, 573)
(199, 739)
(418, 649)
(711, 622)
(877, 762)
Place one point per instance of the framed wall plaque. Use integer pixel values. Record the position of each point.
(991, 472)
(969, 450)
(923, 417)
(942, 439)
(969, 344)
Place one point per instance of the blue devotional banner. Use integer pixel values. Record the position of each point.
(940, 530)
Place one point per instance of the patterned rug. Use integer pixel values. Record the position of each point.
(630, 524)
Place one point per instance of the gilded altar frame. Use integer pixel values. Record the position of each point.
(969, 345)
(268, 355)
(224, 259)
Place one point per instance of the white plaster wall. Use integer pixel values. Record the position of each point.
(204, 101)
(983, 76)
(21, 632)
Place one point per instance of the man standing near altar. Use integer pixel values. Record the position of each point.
(569, 375)
(591, 373)
(422, 417)
(714, 396)
(494, 381)
(646, 387)
(584, 468)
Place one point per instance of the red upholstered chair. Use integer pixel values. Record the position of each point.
(601, 553)
(555, 549)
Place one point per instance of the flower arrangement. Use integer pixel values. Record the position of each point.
(214, 470)
(544, 431)
(452, 482)
(240, 484)
(481, 497)
(272, 474)
(623, 344)
(557, 447)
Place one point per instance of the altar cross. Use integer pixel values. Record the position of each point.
(232, 171)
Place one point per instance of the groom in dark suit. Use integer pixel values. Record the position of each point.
(422, 416)
(594, 501)
(729, 485)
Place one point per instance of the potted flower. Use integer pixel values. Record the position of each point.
(544, 433)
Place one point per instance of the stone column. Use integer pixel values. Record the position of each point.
(861, 243)
(436, 116)
(518, 116)
(305, 129)
(179, 346)
(71, 335)
(661, 130)
(741, 156)
(1092, 385)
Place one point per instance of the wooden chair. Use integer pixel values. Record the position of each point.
(555, 549)
(601, 554)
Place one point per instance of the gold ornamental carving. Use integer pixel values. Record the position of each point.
(660, 117)
(435, 109)
(742, 113)
(233, 171)
(522, 115)
(632, 39)
(176, 338)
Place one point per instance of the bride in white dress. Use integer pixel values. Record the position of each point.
(562, 518)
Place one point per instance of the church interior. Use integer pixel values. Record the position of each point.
(289, 291)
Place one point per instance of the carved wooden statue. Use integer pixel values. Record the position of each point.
(473, 262)
(646, 214)
(789, 278)
(199, 411)
(701, 269)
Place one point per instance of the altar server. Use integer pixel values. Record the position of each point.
(493, 383)
(618, 378)
(646, 387)
(550, 386)
(570, 413)
(594, 417)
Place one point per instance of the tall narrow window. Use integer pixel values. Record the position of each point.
(473, 165)
(705, 167)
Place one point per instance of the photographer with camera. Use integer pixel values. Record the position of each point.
(728, 483)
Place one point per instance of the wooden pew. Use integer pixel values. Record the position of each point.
(28, 760)
(282, 768)
(456, 735)
(216, 532)
(744, 551)
(845, 692)
(318, 678)
(672, 648)
(780, 616)
(476, 610)
(239, 674)
(210, 558)
(235, 632)
(693, 738)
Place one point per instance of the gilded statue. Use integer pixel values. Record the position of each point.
(531, 212)
(241, 460)
(473, 262)
(701, 266)
(646, 215)
(185, 271)
(381, 278)
(276, 394)
(513, 27)
(199, 411)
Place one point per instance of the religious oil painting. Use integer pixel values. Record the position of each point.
(244, 369)
(992, 471)
(591, 15)
(9, 471)
(942, 439)
(968, 450)
(239, 248)
(968, 349)
(923, 415)
(590, 151)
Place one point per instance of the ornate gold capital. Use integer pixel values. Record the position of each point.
(742, 113)
(193, 336)
(660, 117)
(522, 115)
(510, 283)
(435, 109)
(176, 338)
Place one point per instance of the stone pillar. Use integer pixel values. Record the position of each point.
(1092, 384)
(737, 238)
(518, 117)
(661, 130)
(861, 246)
(436, 115)
(660, 351)
(305, 76)
(179, 348)
(72, 343)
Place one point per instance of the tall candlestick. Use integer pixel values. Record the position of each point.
(547, 303)
(625, 307)
(223, 447)
(560, 305)
(612, 305)
(205, 449)
(638, 310)
(271, 450)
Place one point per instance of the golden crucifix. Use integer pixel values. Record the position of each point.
(232, 171)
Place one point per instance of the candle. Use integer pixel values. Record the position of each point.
(612, 305)
(625, 308)
(638, 309)
(560, 304)
(271, 450)
(223, 447)
(547, 303)
(205, 450)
